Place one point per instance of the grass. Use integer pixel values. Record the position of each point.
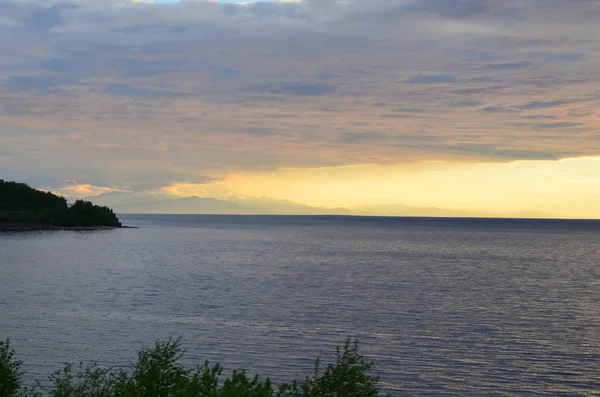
(158, 372)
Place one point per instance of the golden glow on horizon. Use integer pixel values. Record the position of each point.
(558, 188)
(563, 188)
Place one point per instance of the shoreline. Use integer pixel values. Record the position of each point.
(33, 227)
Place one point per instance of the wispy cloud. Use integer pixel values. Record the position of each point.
(506, 66)
(122, 91)
(432, 79)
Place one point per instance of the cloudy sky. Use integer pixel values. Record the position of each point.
(478, 105)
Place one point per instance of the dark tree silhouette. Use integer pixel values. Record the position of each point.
(20, 203)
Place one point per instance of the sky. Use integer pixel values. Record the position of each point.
(485, 106)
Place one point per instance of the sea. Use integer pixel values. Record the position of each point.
(452, 307)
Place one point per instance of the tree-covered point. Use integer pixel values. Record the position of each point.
(158, 372)
(20, 203)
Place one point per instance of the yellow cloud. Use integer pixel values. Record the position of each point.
(73, 189)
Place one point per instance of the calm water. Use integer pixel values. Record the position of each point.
(443, 307)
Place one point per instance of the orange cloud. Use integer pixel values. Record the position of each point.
(75, 190)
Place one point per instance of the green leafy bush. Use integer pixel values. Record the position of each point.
(158, 372)
(10, 371)
(348, 377)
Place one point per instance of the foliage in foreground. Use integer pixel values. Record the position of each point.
(158, 372)
(10, 371)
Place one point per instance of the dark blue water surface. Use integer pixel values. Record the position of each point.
(443, 306)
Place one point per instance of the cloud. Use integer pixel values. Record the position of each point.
(565, 57)
(463, 103)
(34, 16)
(74, 190)
(432, 79)
(122, 91)
(560, 124)
(506, 66)
(295, 89)
(477, 149)
(544, 104)
(257, 131)
(539, 116)
(500, 109)
(398, 116)
(362, 137)
(45, 84)
(453, 9)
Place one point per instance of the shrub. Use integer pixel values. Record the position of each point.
(158, 372)
(10, 371)
(346, 378)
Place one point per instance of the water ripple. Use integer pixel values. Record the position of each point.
(469, 309)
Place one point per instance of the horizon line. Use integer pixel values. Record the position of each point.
(482, 218)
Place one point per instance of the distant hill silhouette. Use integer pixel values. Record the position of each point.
(21, 204)
(150, 203)
(155, 203)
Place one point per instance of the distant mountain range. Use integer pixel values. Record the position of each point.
(151, 203)
(145, 203)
